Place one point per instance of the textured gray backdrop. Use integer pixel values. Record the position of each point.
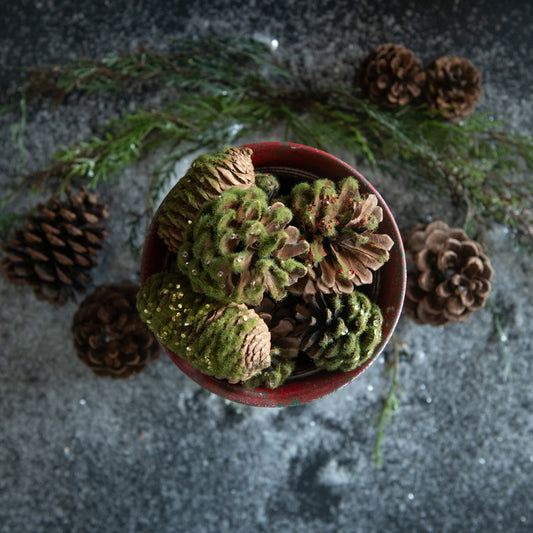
(157, 453)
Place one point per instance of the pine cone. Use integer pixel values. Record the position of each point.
(231, 342)
(285, 330)
(239, 247)
(209, 175)
(109, 336)
(273, 376)
(342, 330)
(391, 76)
(448, 275)
(57, 247)
(453, 86)
(344, 248)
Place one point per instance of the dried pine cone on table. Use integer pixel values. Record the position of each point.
(391, 76)
(240, 247)
(208, 176)
(453, 86)
(341, 229)
(109, 336)
(448, 275)
(56, 248)
(229, 342)
(343, 330)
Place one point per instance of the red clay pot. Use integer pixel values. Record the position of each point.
(293, 163)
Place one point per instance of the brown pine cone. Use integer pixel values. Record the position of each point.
(285, 330)
(391, 76)
(209, 175)
(109, 336)
(448, 275)
(453, 86)
(57, 247)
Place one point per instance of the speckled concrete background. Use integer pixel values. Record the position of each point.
(157, 453)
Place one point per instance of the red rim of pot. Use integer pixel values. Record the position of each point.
(309, 163)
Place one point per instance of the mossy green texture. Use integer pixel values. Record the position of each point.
(239, 247)
(323, 210)
(347, 330)
(195, 327)
(208, 175)
(267, 183)
(273, 376)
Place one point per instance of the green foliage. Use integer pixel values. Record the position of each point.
(226, 90)
(231, 252)
(391, 404)
(500, 335)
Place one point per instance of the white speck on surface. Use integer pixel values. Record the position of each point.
(410, 496)
(482, 461)
(83, 402)
(274, 44)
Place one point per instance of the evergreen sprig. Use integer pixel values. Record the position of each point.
(391, 403)
(226, 90)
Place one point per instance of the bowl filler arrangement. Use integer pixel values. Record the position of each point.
(272, 274)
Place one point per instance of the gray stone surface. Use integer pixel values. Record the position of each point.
(158, 453)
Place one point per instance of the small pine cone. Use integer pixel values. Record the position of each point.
(340, 227)
(453, 86)
(208, 176)
(241, 247)
(56, 248)
(109, 336)
(391, 76)
(231, 342)
(285, 330)
(448, 275)
(342, 330)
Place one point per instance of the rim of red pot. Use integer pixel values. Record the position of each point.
(296, 161)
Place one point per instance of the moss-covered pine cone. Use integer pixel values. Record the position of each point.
(240, 247)
(208, 176)
(343, 330)
(227, 342)
(340, 226)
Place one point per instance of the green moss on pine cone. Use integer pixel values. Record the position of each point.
(208, 176)
(340, 226)
(343, 331)
(230, 342)
(240, 247)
